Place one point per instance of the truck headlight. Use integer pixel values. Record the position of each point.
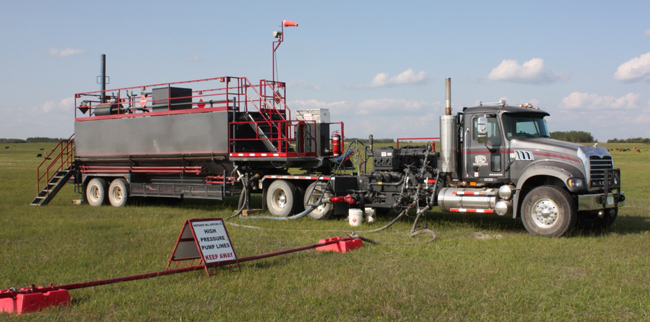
(575, 183)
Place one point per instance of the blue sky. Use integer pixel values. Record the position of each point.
(379, 66)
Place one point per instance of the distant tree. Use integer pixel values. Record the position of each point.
(12, 141)
(42, 140)
(31, 140)
(573, 136)
(630, 140)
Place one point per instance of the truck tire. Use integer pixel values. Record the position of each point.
(548, 211)
(96, 192)
(118, 194)
(321, 212)
(280, 198)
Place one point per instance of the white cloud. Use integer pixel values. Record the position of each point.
(647, 32)
(407, 77)
(66, 104)
(578, 100)
(634, 69)
(530, 72)
(64, 52)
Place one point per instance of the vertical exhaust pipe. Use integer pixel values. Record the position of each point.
(448, 96)
(448, 135)
(103, 76)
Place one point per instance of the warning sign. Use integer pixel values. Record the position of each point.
(204, 239)
(213, 241)
(143, 100)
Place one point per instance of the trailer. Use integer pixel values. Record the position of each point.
(226, 136)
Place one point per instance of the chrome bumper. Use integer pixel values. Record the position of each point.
(597, 201)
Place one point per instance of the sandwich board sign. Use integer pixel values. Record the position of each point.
(206, 240)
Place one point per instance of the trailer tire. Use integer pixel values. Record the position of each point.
(548, 211)
(321, 212)
(118, 193)
(96, 192)
(280, 198)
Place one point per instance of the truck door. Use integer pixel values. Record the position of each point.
(484, 161)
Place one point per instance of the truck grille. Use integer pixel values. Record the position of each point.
(598, 166)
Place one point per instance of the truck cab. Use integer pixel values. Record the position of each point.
(554, 184)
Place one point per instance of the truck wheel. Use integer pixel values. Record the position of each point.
(548, 211)
(96, 192)
(321, 212)
(280, 198)
(118, 194)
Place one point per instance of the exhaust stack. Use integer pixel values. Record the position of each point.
(448, 135)
(448, 96)
(103, 76)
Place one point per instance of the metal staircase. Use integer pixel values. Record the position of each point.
(56, 173)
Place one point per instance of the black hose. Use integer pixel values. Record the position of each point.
(243, 199)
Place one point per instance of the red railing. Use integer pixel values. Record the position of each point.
(205, 95)
(64, 151)
(282, 136)
(227, 93)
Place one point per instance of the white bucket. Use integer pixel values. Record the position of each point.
(370, 215)
(355, 217)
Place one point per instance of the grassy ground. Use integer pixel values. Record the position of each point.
(480, 268)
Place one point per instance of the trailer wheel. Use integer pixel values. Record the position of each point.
(96, 192)
(280, 198)
(548, 211)
(118, 194)
(321, 212)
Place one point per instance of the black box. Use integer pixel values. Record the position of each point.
(172, 98)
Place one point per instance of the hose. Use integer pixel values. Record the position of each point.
(294, 217)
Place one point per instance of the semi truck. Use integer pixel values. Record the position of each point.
(227, 136)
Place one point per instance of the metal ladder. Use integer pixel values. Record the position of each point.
(53, 186)
(55, 173)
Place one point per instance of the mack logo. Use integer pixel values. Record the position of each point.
(524, 155)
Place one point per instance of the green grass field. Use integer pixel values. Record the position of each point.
(480, 267)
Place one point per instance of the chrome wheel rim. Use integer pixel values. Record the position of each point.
(545, 213)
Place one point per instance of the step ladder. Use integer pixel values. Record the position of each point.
(53, 186)
(55, 171)
(260, 133)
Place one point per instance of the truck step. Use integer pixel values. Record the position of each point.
(480, 211)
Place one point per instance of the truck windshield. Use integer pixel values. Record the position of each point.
(518, 126)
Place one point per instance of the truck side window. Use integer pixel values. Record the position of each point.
(494, 133)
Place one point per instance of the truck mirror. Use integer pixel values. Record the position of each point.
(481, 130)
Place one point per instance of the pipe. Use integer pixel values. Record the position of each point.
(34, 289)
(103, 78)
(448, 96)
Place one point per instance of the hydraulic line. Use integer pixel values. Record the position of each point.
(33, 289)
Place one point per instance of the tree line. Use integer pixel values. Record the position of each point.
(630, 140)
(31, 140)
(573, 136)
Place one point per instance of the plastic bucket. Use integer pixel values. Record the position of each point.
(370, 215)
(355, 217)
